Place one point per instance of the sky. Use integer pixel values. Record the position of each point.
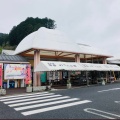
(92, 22)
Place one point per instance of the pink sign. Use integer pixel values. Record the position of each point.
(28, 74)
(0, 75)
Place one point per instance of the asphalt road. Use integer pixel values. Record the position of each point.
(93, 102)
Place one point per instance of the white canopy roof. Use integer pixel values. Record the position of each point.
(53, 65)
(83, 48)
(54, 40)
(47, 39)
(73, 66)
(114, 60)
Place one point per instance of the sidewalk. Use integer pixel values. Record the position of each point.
(13, 91)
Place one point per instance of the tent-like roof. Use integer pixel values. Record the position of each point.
(47, 39)
(54, 40)
(73, 66)
(83, 48)
(114, 60)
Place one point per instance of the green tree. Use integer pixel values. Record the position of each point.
(28, 26)
(3, 39)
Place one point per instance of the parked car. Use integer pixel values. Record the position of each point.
(81, 80)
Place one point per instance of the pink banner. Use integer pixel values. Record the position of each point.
(28, 74)
(0, 75)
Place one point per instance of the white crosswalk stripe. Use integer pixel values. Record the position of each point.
(44, 104)
(21, 95)
(54, 107)
(30, 104)
(27, 97)
(38, 101)
(9, 102)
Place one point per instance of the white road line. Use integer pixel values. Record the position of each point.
(44, 104)
(27, 97)
(54, 107)
(98, 112)
(38, 101)
(31, 99)
(117, 101)
(22, 95)
(109, 90)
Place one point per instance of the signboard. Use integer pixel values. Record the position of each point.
(0, 75)
(15, 71)
(28, 74)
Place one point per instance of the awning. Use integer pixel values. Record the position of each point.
(74, 66)
(53, 66)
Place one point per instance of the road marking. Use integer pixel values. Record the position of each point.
(97, 112)
(38, 101)
(31, 99)
(22, 95)
(117, 101)
(27, 97)
(109, 90)
(54, 107)
(44, 104)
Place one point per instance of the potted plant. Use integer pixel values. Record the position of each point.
(68, 84)
(2, 91)
(103, 81)
(29, 87)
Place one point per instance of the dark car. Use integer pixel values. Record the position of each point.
(82, 80)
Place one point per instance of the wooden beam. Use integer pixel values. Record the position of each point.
(26, 51)
(47, 56)
(60, 53)
(68, 54)
(55, 53)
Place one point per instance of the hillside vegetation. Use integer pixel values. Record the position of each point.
(17, 33)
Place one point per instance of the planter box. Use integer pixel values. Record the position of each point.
(2, 92)
(39, 88)
(35, 89)
(68, 86)
(28, 89)
(43, 87)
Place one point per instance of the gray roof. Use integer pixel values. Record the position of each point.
(7, 52)
(13, 58)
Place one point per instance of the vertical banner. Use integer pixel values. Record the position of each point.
(1, 75)
(28, 74)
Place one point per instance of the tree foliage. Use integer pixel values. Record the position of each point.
(28, 26)
(3, 39)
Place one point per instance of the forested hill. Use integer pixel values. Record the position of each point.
(17, 33)
(3, 39)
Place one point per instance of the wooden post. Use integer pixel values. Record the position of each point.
(36, 80)
(114, 76)
(77, 58)
(105, 62)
